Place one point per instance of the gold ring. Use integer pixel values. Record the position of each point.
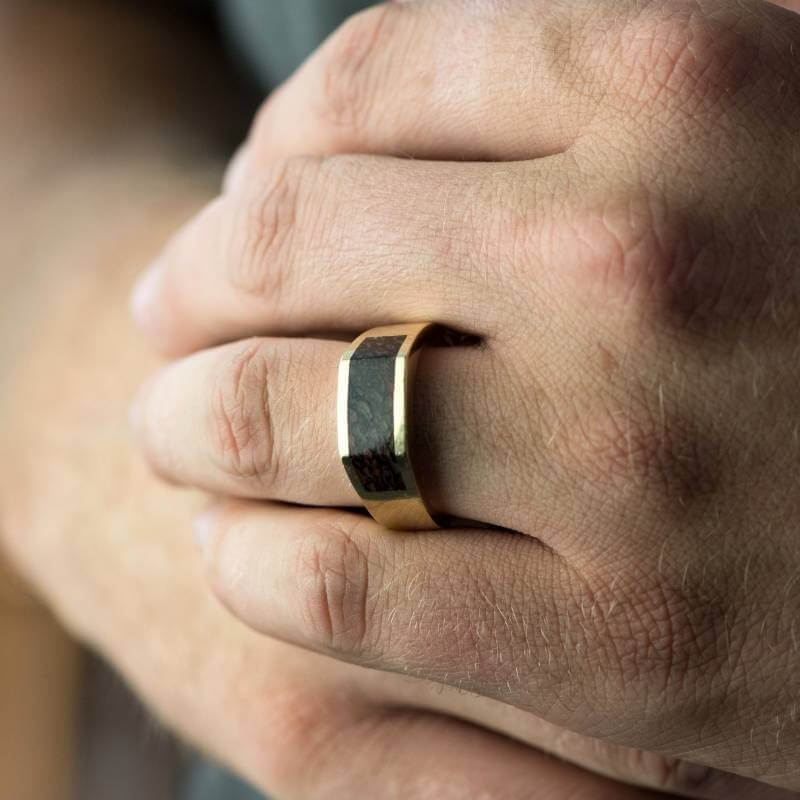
(376, 378)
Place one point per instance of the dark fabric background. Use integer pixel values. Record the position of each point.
(274, 36)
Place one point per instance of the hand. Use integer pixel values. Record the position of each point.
(615, 214)
(95, 535)
(101, 540)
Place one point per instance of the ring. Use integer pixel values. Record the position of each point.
(376, 378)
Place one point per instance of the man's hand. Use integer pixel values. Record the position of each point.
(100, 539)
(106, 544)
(615, 214)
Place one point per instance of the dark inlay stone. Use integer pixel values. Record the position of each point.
(370, 414)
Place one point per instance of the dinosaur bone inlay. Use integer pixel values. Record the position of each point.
(370, 415)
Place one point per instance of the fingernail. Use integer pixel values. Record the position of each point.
(204, 526)
(144, 298)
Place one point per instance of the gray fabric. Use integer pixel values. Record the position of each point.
(274, 36)
(208, 782)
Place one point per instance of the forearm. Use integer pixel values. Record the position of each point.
(83, 520)
(88, 141)
(104, 542)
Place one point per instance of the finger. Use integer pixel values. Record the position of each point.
(344, 244)
(306, 727)
(494, 613)
(628, 765)
(255, 418)
(404, 754)
(789, 5)
(433, 80)
(338, 583)
(444, 79)
(258, 419)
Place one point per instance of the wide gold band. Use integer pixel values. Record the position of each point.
(376, 379)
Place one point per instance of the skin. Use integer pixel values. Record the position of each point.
(103, 543)
(606, 194)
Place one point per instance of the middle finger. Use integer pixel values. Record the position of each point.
(351, 242)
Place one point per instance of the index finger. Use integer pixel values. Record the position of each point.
(434, 80)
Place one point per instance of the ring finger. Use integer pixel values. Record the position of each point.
(258, 419)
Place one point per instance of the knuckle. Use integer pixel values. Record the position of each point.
(680, 55)
(299, 732)
(352, 68)
(659, 266)
(640, 450)
(288, 727)
(264, 227)
(637, 453)
(334, 573)
(671, 635)
(243, 433)
(660, 635)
